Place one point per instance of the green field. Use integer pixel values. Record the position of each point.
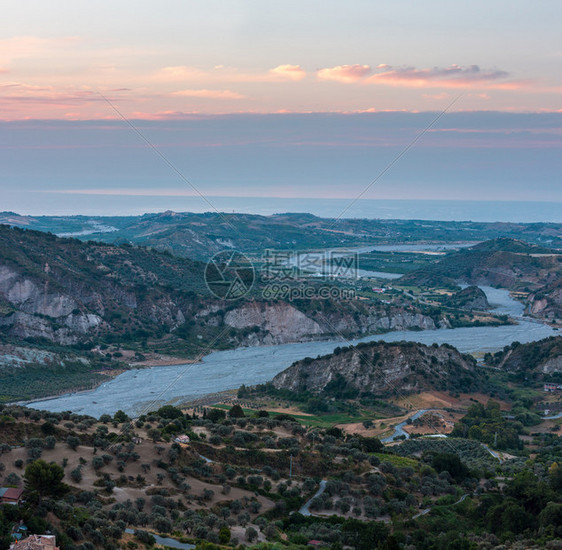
(317, 421)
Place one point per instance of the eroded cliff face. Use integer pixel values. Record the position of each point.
(281, 322)
(552, 365)
(543, 357)
(30, 297)
(67, 292)
(42, 312)
(547, 302)
(71, 313)
(278, 323)
(379, 368)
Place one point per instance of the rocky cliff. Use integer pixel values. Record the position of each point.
(282, 322)
(66, 291)
(382, 368)
(546, 303)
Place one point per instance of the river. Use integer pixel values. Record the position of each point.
(141, 390)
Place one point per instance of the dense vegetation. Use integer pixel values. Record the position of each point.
(487, 424)
(73, 467)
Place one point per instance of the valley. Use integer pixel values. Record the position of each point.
(179, 418)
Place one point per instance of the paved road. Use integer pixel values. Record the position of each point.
(553, 417)
(493, 453)
(427, 510)
(305, 509)
(166, 541)
(398, 429)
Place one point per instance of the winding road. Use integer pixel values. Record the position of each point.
(398, 429)
(427, 510)
(305, 508)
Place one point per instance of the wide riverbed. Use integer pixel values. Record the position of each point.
(138, 391)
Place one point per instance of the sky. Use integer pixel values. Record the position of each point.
(280, 99)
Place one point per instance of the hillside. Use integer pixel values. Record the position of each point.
(381, 368)
(534, 360)
(64, 290)
(504, 262)
(471, 297)
(201, 235)
(90, 307)
(113, 483)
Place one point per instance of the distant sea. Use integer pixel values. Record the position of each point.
(443, 210)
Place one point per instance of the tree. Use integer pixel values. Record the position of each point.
(214, 415)
(154, 434)
(76, 474)
(552, 516)
(450, 462)
(236, 412)
(224, 535)
(12, 480)
(5, 531)
(169, 411)
(120, 417)
(44, 480)
(48, 428)
(555, 473)
(251, 534)
(73, 442)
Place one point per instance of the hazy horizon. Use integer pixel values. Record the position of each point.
(397, 209)
(281, 101)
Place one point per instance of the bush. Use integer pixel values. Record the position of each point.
(76, 474)
(73, 442)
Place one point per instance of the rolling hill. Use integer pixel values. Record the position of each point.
(381, 368)
(504, 262)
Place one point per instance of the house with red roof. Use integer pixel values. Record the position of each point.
(10, 495)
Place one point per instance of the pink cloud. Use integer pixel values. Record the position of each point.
(454, 76)
(222, 74)
(180, 72)
(210, 94)
(441, 95)
(344, 73)
(288, 72)
(21, 92)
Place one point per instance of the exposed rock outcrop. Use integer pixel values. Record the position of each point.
(281, 322)
(381, 368)
(546, 303)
